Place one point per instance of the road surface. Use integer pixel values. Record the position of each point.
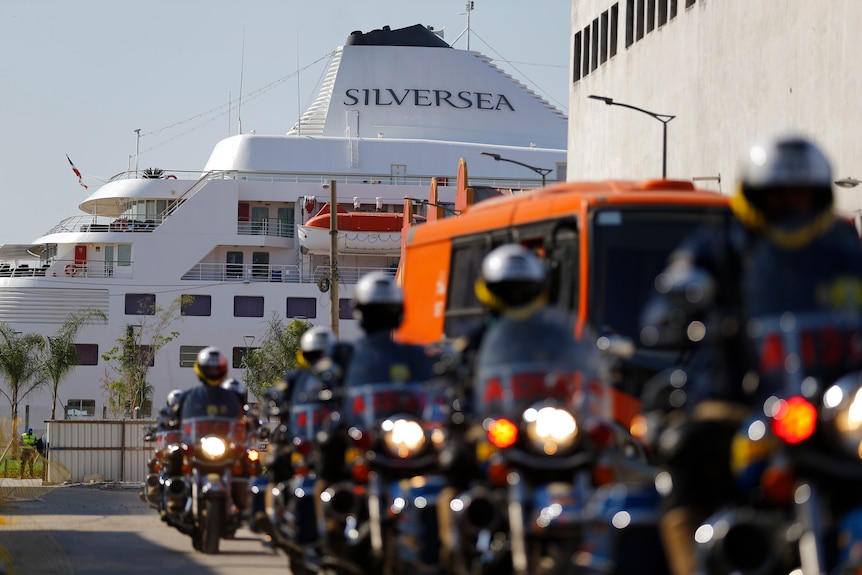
(105, 529)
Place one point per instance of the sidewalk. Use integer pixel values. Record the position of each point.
(18, 489)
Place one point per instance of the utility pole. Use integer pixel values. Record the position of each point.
(333, 259)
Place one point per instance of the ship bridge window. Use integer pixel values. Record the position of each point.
(247, 306)
(196, 305)
(88, 353)
(124, 255)
(302, 307)
(140, 304)
(233, 269)
(285, 222)
(189, 354)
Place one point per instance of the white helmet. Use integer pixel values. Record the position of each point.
(174, 397)
(378, 302)
(317, 339)
(511, 276)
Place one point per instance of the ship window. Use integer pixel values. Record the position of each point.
(662, 13)
(302, 307)
(247, 306)
(189, 354)
(285, 222)
(689, 3)
(196, 305)
(238, 354)
(615, 17)
(233, 269)
(259, 220)
(345, 308)
(630, 22)
(88, 353)
(140, 304)
(124, 255)
(260, 265)
(145, 354)
(673, 8)
(79, 408)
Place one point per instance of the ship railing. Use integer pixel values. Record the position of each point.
(276, 227)
(87, 223)
(236, 272)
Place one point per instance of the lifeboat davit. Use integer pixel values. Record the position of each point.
(364, 233)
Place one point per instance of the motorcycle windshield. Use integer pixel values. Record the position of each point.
(231, 428)
(525, 361)
(792, 347)
(365, 405)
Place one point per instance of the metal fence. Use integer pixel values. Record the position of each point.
(113, 450)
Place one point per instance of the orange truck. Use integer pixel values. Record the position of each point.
(604, 243)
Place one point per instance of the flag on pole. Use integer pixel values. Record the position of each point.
(77, 173)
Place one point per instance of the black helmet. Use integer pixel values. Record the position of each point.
(314, 344)
(512, 276)
(211, 366)
(378, 302)
(785, 191)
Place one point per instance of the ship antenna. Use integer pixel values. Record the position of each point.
(466, 30)
(469, 9)
(241, 70)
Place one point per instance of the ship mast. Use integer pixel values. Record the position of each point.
(466, 30)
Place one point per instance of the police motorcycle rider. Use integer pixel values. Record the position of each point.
(208, 414)
(165, 433)
(380, 371)
(300, 402)
(528, 362)
(784, 251)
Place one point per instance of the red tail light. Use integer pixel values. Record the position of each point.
(794, 420)
(502, 433)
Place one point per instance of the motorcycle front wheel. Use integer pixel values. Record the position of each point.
(212, 522)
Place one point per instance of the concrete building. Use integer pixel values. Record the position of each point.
(730, 71)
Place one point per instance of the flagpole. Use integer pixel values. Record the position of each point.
(137, 149)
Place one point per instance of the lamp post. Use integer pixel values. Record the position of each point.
(663, 118)
(541, 171)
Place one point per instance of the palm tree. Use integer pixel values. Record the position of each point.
(62, 356)
(20, 362)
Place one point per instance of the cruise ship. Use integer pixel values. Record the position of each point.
(397, 108)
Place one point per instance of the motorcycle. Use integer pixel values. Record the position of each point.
(211, 497)
(538, 433)
(167, 437)
(290, 515)
(798, 460)
(382, 517)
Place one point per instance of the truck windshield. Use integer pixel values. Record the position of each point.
(628, 248)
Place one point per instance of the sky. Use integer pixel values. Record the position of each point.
(80, 76)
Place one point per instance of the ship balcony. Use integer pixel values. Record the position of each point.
(274, 273)
(87, 224)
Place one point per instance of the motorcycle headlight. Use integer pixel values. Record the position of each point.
(213, 447)
(842, 405)
(550, 429)
(403, 437)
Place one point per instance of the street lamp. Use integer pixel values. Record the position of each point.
(847, 182)
(663, 118)
(541, 171)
